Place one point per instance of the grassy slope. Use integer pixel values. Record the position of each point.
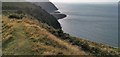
(26, 37)
(30, 35)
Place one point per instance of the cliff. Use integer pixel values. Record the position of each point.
(28, 29)
(51, 8)
(48, 6)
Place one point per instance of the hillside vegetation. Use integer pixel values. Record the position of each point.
(33, 10)
(24, 33)
(27, 36)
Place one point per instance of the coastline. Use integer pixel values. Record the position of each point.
(79, 38)
(51, 9)
(38, 32)
(59, 15)
(78, 28)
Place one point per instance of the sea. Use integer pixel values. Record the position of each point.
(97, 22)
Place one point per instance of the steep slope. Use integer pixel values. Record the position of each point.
(24, 34)
(51, 8)
(33, 10)
(27, 36)
(48, 6)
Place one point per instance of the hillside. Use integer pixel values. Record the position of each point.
(33, 10)
(27, 37)
(25, 33)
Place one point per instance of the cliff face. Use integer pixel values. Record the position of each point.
(48, 6)
(51, 8)
(33, 10)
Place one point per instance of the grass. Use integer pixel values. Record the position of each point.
(29, 37)
(86, 45)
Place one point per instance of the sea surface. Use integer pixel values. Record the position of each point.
(94, 22)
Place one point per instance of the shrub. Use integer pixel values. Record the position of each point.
(48, 43)
(85, 46)
(95, 50)
(77, 43)
(19, 11)
(16, 16)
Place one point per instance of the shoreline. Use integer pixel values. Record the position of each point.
(105, 43)
(58, 15)
(87, 39)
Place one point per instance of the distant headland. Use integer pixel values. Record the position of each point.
(51, 8)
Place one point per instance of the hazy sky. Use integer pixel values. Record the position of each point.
(84, 1)
(67, 1)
